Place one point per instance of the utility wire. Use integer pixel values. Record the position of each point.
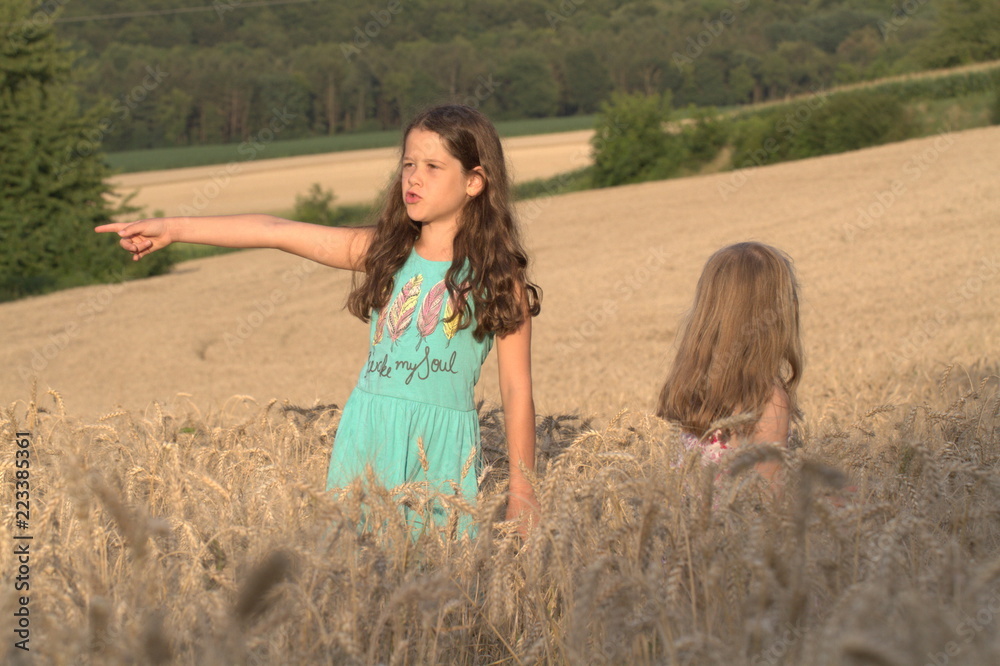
(218, 6)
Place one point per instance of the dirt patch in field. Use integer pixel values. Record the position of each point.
(897, 248)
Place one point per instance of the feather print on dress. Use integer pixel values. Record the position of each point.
(430, 311)
(401, 313)
(380, 324)
(450, 323)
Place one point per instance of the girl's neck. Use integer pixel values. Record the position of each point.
(436, 241)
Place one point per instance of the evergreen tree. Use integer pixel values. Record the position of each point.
(52, 175)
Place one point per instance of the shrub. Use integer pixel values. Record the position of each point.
(756, 141)
(995, 106)
(705, 138)
(563, 183)
(835, 124)
(851, 121)
(317, 207)
(630, 141)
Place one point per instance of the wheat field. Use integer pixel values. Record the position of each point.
(355, 176)
(178, 458)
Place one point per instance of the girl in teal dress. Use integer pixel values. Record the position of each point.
(443, 279)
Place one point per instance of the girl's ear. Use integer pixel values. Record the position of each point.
(476, 182)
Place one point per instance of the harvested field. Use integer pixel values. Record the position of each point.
(890, 295)
(355, 176)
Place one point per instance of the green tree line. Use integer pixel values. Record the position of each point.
(53, 187)
(640, 137)
(225, 73)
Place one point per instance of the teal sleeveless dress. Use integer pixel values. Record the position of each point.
(417, 385)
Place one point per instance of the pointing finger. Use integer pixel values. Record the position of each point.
(111, 227)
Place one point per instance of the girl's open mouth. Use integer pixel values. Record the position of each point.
(410, 197)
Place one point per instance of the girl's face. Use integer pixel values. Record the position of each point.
(434, 185)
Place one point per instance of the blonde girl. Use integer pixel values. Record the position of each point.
(438, 278)
(740, 354)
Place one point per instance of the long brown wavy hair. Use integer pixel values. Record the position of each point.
(740, 341)
(488, 258)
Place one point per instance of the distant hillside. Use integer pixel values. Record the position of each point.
(171, 73)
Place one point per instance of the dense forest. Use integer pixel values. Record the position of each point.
(183, 72)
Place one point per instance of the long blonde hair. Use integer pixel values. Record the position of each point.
(739, 342)
(489, 260)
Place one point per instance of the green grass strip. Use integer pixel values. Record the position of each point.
(188, 156)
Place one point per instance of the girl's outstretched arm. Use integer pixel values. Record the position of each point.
(339, 247)
(514, 360)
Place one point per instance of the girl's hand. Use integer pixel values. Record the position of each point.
(339, 247)
(523, 507)
(142, 237)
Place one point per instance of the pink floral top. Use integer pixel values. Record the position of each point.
(712, 449)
